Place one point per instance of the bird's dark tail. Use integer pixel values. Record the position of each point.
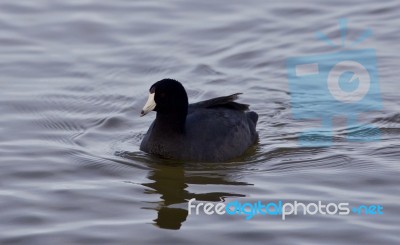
(252, 116)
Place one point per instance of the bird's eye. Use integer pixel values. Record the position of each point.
(162, 95)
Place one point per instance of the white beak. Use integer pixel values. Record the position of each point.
(149, 106)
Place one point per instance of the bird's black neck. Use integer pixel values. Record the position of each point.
(171, 122)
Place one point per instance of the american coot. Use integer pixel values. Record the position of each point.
(213, 130)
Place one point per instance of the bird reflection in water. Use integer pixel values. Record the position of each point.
(171, 182)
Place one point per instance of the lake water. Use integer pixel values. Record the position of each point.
(74, 76)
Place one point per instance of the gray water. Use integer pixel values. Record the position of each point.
(74, 76)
